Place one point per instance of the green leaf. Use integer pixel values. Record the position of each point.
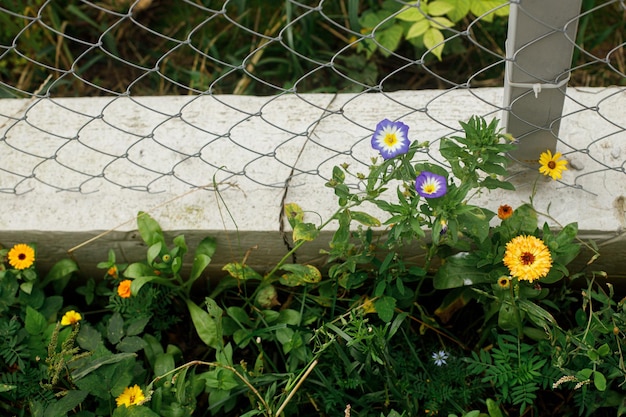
(418, 29)
(411, 14)
(200, 262)
(149, 229)
(459, 270)
(137, 270)
(241, 272)
(433, 41)
(164, 363)
(131, 344)
(35, 322)
(115, 329)
(67, 403)
(385, 307)
(153, 252)
(305, 231)
(460, 9)
(599, 380)
(389, 39)
(61, 269)
(205, 325)
(300, 275)
(439, 8)
(365, 219)
(91, 366)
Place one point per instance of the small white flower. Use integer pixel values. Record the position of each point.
(440, 357)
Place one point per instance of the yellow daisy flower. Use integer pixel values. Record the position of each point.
(528, 258)
(131, 396)
(123, 290)
(71, 317)
(21, 256)
(552, 165)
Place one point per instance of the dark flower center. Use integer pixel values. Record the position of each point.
(527, 258)
(21, 256)
(551, 164)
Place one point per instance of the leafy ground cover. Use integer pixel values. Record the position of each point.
(491, 321)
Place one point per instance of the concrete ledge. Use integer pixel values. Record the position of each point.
(108, 152)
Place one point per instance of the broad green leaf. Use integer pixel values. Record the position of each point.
(365, 219)
(599, 380)
(207, 246)
(99, 362)
(61, 269)
(418, 29)
(131, 344)
(300, 274)
(70, 400)
(164, 363)
(433, 41)
(204, 324)
(457, 271)
(241, 272)
(439, 8)
(486, 9)
(385, 307)
(35, 322)
(389, 39)
(154, 251)
(460, 9)
(149, 229)
(137, 270)
(411, 14)
(441, 22)
(115, 329)
(305, 231)
(200, 262)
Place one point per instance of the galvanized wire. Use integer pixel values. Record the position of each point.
(184, 62)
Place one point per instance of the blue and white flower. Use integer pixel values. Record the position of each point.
(440, 357)
(430, 185)
(391, 138)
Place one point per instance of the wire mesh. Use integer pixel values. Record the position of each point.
(165, 78)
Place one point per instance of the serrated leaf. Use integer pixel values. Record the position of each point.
(305, 231)
(35, 322)
(433, 41)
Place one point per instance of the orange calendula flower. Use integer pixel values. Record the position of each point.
(123, 290)
(112, 271)
(528, 258)
(131, 396)
(21, 256)
(71, 318)
(552, 165)
(505, 211)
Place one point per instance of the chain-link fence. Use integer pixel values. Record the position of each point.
(117, 52)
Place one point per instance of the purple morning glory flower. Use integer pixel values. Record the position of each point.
(391, 138)
(430, 185)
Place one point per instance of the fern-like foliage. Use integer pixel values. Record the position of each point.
(516, 370)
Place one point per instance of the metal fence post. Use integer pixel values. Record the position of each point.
(539, 48)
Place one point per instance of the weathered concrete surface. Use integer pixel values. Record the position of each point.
(243, 149)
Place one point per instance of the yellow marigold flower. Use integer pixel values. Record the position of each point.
(71, 317)
(21, 256)
(505, 211)
(551, 165)
(528, 258)
(123, 290)
(504, 282)
(131, 396)
(112, 271)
